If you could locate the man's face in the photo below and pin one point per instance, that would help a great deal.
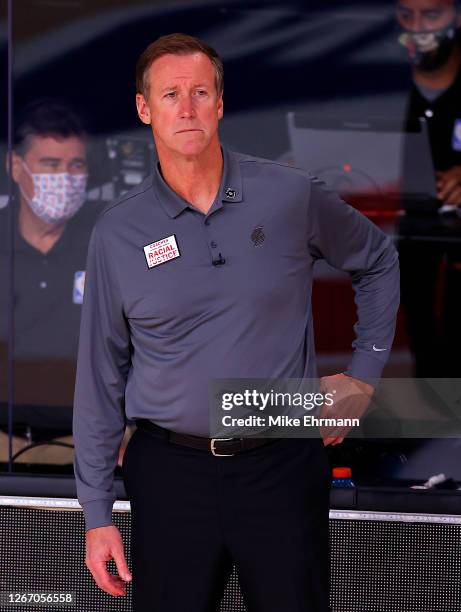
(425, 15)
(183, 107)
(46, 154)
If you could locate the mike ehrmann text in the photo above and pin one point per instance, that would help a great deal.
(309, 420)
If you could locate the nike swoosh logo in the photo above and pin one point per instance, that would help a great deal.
(378, 349)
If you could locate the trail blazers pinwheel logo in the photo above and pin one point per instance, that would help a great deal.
(258, 236)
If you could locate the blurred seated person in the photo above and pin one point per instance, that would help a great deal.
(431, 35)
(52, 226)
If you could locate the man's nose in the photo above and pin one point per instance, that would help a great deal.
(186, 108)
(417, 24)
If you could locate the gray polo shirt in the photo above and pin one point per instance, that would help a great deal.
(175, 298)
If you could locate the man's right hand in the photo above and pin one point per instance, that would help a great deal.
(102, 545)
(449, 186)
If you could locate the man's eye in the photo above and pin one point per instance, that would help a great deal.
(433, 15)
(78, 166)
(404, 13)
(201, 92)
(170, 94)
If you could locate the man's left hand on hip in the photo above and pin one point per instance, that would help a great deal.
(351, 399)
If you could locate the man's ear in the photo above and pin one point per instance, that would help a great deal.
(220, 106)
(143, 109)
(16, 166)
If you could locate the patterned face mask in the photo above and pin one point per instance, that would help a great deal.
(430, 49)
(57, 196)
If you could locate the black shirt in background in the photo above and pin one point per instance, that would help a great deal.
(442, 115)
(47, 309)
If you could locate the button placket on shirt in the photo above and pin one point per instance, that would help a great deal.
(212, 243)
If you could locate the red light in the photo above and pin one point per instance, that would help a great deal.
(347, 168)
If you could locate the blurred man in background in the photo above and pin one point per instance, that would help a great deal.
(431, 36)
(52, 225)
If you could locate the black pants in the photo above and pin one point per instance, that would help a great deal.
(434, 343)
(194, 515)
(419, 272)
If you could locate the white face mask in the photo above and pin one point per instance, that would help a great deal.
(57, 197)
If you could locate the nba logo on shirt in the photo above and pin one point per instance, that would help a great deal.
(456, 138)
(79, 287)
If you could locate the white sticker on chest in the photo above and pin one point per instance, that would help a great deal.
(161, 251)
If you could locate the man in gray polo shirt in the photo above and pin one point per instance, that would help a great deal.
(204, 271)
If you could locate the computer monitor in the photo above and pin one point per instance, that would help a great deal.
(371, 158)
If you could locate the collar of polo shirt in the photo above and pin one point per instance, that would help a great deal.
(230, 189)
